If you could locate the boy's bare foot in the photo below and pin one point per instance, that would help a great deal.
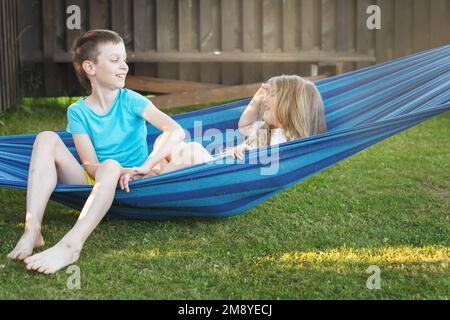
(51, 260)
(26, 244)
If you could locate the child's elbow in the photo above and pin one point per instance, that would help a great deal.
(179, 134)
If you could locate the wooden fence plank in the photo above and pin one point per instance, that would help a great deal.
(8, 39)
(99, 14)
(61, 44)
(158, 85)
(9, 64)
(385, 36)
(252, 39)
(166, 40)
(212, 95)
(290, 35)
(14, 67)
(403, 27)
(144, 34)
(307, 18)
(421, 25)
(328, 29)
(30, 28)
(17, 49)
(3, 106)
(346, 29)
(364, 36)
(440, 18)
(188, 37)
(205, 96)
(231, 31)
(122, 20)
(5, 66)
(272, 39)
(72, 85)
(30, 44)
(4, 63)
(447, 40)
(210, 39)
(51, 81)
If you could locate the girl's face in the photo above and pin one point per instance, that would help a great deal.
(111, 68)
(269, 105)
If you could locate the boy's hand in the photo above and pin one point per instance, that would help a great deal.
(124, 179)
(132, 174)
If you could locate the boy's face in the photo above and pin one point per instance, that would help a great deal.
(111, 67)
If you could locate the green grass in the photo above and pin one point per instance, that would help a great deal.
(388, 206)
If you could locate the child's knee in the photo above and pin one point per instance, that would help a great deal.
(196, 153)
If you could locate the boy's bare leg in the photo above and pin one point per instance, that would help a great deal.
(50, 159)
(67, 250)
(160, 167)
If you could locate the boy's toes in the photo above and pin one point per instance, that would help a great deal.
(34, 265)
(49, 271)
(12, 255)
(42, 269)
(23, 255)
(28, 260)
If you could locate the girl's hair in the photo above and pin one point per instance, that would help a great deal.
(86, 46)
(298, 108)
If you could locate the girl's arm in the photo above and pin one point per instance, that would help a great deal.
(250, 114)
(171, 136)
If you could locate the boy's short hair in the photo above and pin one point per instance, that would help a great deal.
(85, 47)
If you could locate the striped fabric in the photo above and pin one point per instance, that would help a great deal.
(362, 108)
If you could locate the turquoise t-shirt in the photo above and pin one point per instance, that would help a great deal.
(120, 134)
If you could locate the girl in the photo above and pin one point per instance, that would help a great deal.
(290, 107)
(109, 132)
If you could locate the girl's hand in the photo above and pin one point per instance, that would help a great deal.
(141, 170)
(261, 93)
(238, 151)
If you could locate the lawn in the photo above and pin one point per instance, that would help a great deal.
(386, 206)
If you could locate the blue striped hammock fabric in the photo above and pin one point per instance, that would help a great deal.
(361, 108)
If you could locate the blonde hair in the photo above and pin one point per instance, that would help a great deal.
(298, 108)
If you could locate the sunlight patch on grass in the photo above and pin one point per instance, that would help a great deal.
(152, 253)
(399, 256)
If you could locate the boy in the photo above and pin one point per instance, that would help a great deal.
(109, 131)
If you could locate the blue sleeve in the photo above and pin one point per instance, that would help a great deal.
(74, 123)
(137, 103)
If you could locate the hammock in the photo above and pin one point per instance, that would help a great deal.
(362, 107)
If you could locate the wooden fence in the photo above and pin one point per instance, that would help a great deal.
(9, 55)
(226, 41)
